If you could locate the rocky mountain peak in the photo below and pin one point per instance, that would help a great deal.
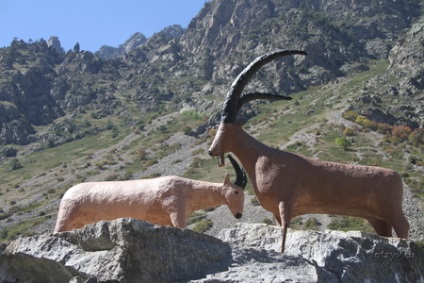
(55, 43)
(133, 42)
(108, 52)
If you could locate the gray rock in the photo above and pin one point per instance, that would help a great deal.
(108, 52)
(124, 250)
(128, 250)
(55, 43)
(331, 256)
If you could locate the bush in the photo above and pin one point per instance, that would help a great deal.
(416, 137)
(192, 115)
(196, 217)
(384, 129)
(4, 233)
(115, 132)
(343, 142)
(162, 129)
(346, 223)
(203, 226)
(141, 153)
(112, 177)
(311, 223)
(401, 132)
(197, 162)
(350, 115)
(187, 130)
(150, 162)
(268, 221)
(364, 121)
(349, 132)
(15, 164)
(254, 201)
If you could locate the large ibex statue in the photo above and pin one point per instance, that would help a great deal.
(289, 185)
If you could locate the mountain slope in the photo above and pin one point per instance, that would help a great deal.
(72, 117)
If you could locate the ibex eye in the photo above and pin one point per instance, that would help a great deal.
(236, 192)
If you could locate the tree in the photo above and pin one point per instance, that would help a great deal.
(77, 47)
(15, 164)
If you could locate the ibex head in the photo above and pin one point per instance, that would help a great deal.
(236, 98)
(234, 194)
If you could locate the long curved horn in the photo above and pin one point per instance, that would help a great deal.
(232, 101)
(241, 180)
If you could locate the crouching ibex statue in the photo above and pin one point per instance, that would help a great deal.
(165, 200)
(289, 185)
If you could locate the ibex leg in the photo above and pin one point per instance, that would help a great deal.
(401, 226)
(285, 215)
(380, 226)
(178, 219)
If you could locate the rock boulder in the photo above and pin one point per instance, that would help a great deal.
(128, 250)
(124, 250)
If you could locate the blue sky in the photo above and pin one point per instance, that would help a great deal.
(91, 23)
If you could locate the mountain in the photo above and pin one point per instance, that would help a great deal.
(148, 107)
(224, 35)
(108, 52)
(135, 41)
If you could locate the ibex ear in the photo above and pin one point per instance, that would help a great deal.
(227, 179)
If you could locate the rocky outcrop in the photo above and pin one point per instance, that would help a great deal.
(183, 65)
(124, 250)
(128, 250)
(396, 97)
(331, 256)
(55, 43)
(108, 52)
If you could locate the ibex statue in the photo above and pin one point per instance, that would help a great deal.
(165, 200)
(289, 185)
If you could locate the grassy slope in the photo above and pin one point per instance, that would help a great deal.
(309, 125)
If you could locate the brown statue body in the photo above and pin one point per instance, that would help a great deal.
(289, 185)
(165, 200)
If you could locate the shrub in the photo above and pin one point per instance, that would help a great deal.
(416, 137)
(196, 217)
(4, 233)
(212, 133)
(364, 121)
(384, 129)
(112, 177)
(115, 132)
(349, 132)
(154, 175)
(401, 132)
(203, 226)
(141, 153)
(162, 129)
(268, 221)
(350, 115)
(343, 142)
(187, 130)
(346, 223)
(192, 115)
(110, 125)
(254, 201)
(311, 223)
(15, 164)
(197, 162)
(150, 162)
